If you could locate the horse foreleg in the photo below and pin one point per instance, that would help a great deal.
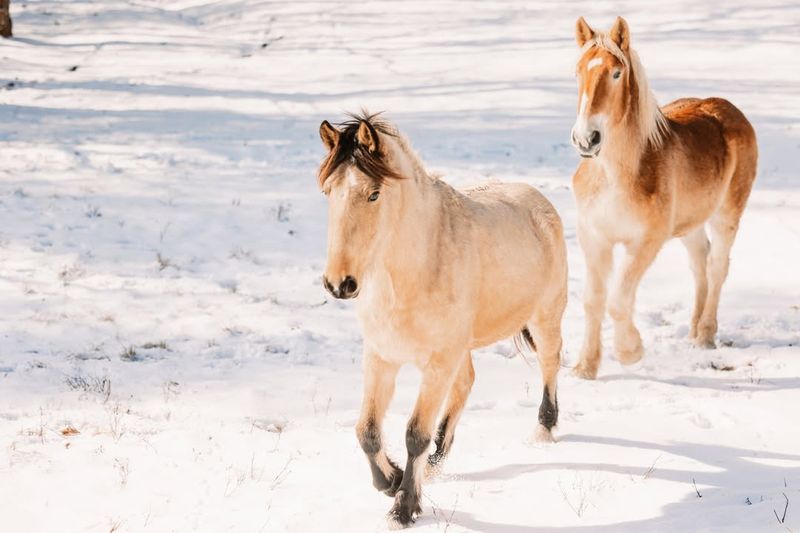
(638, 257)
(599, 259)
(436, 379)
(379, 379)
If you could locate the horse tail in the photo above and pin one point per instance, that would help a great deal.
(523, 342)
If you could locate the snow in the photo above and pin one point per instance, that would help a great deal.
(162, 240)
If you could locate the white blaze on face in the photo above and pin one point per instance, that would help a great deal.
(585, 123)
(352, 180)
(581, 128)
(584, 103)
(594, 63)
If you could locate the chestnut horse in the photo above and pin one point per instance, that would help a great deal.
(437, 273)
(651, 174)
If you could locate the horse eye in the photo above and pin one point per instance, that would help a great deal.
(617, 74)
(373, 196)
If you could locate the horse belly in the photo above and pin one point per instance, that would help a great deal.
(510, 283)
(497, 322)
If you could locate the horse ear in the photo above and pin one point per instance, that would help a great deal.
(620, 34)
(367, 136)
(583, 32)
(329, 135)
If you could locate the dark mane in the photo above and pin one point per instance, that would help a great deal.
(349, 150)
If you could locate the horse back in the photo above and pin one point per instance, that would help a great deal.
(711, 116)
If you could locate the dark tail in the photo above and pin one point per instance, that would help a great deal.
(523, 341)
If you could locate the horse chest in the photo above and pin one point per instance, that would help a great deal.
(612, 214)
(397, 335)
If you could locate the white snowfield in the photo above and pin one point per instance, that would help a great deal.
(171, 362)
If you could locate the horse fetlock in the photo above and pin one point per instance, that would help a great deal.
(707, 326)
(619, 311)
(369, 437)
(589, 361)
(706, 331)
(386, 476)
(548, 410)
(585, 370)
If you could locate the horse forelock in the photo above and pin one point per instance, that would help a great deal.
(349, 151)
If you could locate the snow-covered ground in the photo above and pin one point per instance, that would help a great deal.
(170, 362)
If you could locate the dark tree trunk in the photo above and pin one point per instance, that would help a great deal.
(5, 18)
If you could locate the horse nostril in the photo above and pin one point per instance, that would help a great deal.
(594, 138)
(347, 287)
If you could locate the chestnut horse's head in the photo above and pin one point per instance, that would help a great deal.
(354, 177)
(612, 90)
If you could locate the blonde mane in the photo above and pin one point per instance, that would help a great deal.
(654, 126)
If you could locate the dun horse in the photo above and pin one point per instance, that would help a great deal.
(437, 273)
(649, 175)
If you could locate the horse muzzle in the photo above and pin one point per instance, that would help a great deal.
(346, 289)
(588, 146)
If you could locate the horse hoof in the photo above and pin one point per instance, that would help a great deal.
(706, 344)
(542, 435)
(630, 357)
(584, 372)
(403, 513)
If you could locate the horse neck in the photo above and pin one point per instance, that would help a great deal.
(642, 126)
(629, 140)
(621, 158)
(414, 228)
(405, 251)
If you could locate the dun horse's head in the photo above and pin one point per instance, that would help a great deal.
(354, 177)
(604, 79)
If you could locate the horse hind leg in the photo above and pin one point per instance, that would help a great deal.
(697, 245)
(724, 224)
(457, 398)
(546, 337)
(723, 232)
